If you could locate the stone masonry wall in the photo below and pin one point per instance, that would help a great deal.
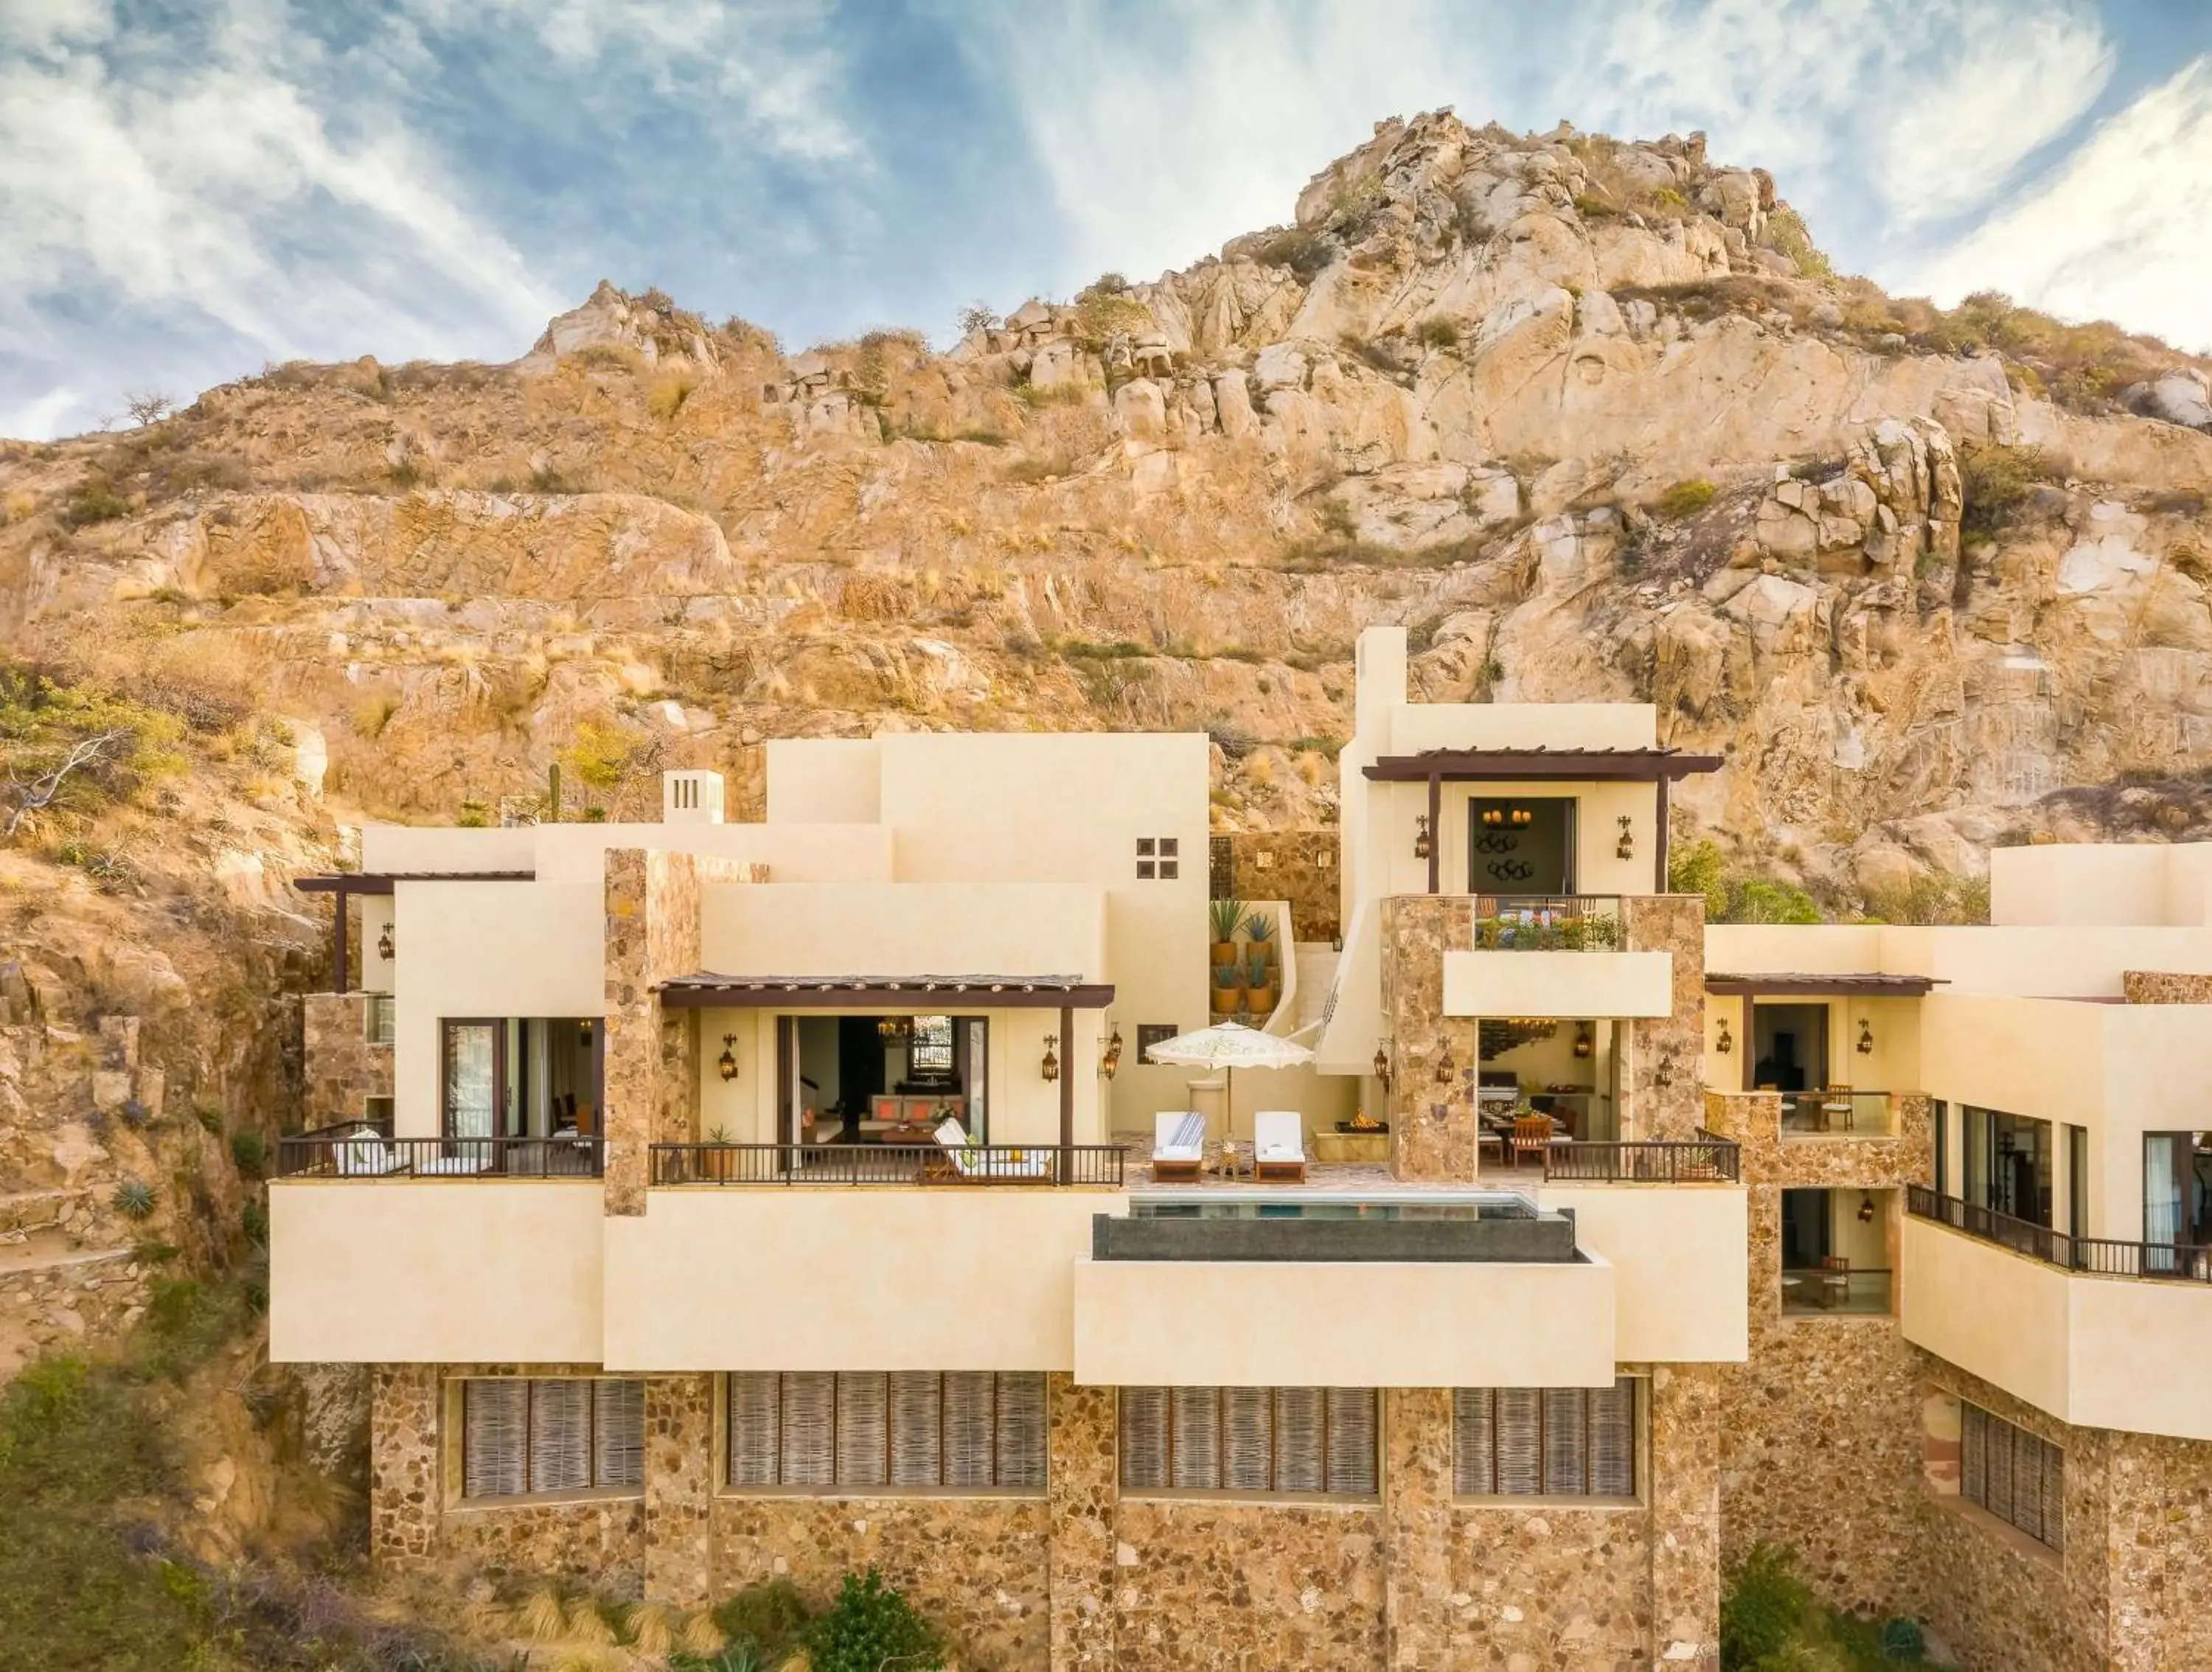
(2155, 986)
(1821, 1436)
(1081, 1490)
(341, 1070)
(1432, 1126)
(1661, 1076)
(1297, 866)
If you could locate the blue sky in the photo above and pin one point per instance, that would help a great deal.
(189, 188)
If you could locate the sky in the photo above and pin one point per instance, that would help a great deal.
(191, 189)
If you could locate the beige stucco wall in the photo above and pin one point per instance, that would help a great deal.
(1677, 1253)
(944, 1277)
(1558, 985)
(1894, 1064)
(1392, 809)
(2100, 883)
(576, 852)
(2097, 1352)
(438, 1271)
(905, 929)
(2061, 960)
(485, 950)
(814, 780)
(1354, 1324)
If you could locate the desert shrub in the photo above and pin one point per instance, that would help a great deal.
(1996, 483)
(665, 398)
(978, 316)
(253, 1220)
(1932, 898)
(250, 1151)
(870, 1626)
(1437, 334)
(1764, 1610)
(133, 1199)
(66, 745)
(1101, 314)
(1592, 207)
(1301, 249)
(1670, 204)
(93, 500)
(603, 756)
(1736, 896)
(1787, 234)
(1685, 498)
(768, 1619)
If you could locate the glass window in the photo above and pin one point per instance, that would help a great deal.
(525, 1437)
(1942, 1116)
(1320, 1441)
(1545, 1442)
(931, 1048)
(2077, 1181)
(380, 1020)
(872, 1431)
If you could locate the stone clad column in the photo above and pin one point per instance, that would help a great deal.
(1417, 1510)
(1081, 1494)
(1664, 1073)
(403, 1465)
(679, 1489)
(1686, 1517)
(652, 1055)
(1433, 1130)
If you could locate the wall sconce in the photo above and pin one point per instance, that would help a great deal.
(1492, 816)
(1521, 816)
(1866, 1208)
(1625, 848)
(1585, 1042)
(1866, 1038)
(1112, 1061)
(1424, 843)
(1447, 1070)
(1382, 1066)
(384, 946)
(893, 1029)
(1724, 1042)
(726, 1064)
(1050, 1066)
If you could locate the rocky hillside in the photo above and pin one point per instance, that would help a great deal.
(1593, 419)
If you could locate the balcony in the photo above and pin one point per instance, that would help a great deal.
(1097, 1165)
(2035, 1311)
(359, 1151)
(1555, 958)
(1838, 1111)
(1822, 1292)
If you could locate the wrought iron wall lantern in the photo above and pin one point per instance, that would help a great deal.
(1585, 1038)
(1050, 1067)
(1111, 1061)
(1625, 848)
(1866, 1038)
(1723, 1040)
(1424, 843)
(384, 944)
(1866, 1208)
(726, 1064)
(1447, 1070)
(1382, 1065)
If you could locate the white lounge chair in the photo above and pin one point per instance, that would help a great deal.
(366, 1155)
(980, 1166)
(1178, 1144)
(1279, 1145)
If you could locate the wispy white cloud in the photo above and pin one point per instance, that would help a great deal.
(2123, 230)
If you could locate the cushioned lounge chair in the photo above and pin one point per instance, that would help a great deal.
(1178, 1145)
(1279, 1145)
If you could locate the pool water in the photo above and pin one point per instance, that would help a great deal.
(1262, 1207)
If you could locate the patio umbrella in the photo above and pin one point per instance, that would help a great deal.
(1230, 1046)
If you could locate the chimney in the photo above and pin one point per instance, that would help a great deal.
(691, 798)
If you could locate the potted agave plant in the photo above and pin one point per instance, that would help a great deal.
(1228, 990)
(1260, 984)
(1227, 917)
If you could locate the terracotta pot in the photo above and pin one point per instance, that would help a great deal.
(1225, 954)
(1262, 1000)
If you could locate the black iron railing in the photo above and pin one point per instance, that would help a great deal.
(1547, 922)
(888, 1164)
(2102, 1256)
(1707, 1158)
(362, 1152)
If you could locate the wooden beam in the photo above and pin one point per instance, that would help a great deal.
(904, 999)
(1436, 829)
(1066, 1093)
(1541, 765)
(1659, 847)
(338, 938)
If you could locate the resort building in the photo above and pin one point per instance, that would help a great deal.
(718, 1202)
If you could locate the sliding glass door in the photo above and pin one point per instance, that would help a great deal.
(474, 1074)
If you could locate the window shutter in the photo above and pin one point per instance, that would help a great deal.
(915, 1434)
(755, 1426)
(1143, 1438)
(1613, 1439)
(1520, 1464)
(1472, 1439)
(863, 1428)
(809, 1423)
(1299, 1465)
(2028, 1486)
(968, 1428)
(1973, 1454)
(1352, 1440)
(1565, 1460)
(495, 1420)
(1021, 1429)
(1247, 1439)
(2000, 1444)
(618, 1437)
(2054, 1498)
(1197, 1457)
(560, 1434)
